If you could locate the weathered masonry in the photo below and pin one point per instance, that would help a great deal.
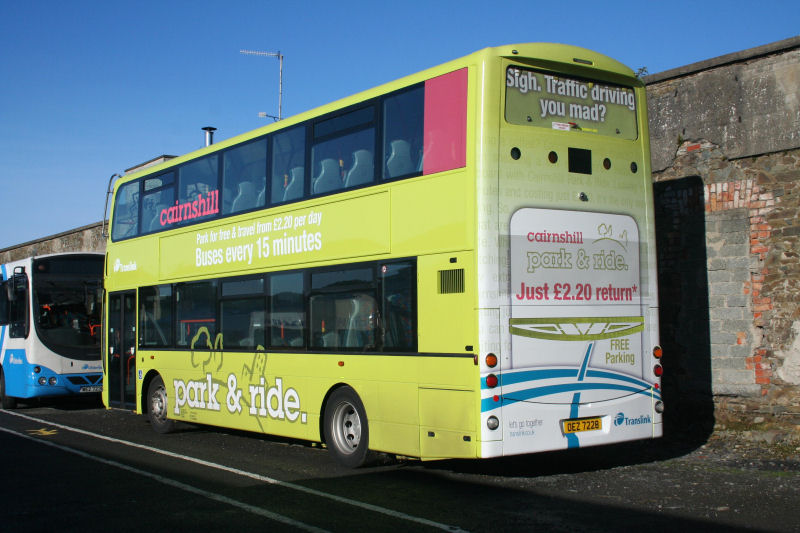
(726, 165)
(85, 239)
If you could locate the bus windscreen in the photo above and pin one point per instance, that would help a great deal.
(548, 100)
(68, 295)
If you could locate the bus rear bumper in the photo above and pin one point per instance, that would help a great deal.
(527, 427)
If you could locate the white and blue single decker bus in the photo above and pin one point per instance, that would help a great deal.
(50, 333)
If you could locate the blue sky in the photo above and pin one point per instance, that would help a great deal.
(91, 88)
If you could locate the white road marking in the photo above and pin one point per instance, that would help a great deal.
(260, 511)
(251, 475)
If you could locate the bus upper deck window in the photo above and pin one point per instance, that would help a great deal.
(342, 154)
(287, 169)
(403, 122)
(126, 212)
(244, 178)
(158, 197)
(198, 182)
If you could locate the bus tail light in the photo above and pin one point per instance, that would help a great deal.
(492, 423)
(491, 360)
(658, 370)
(657, 352)
(491, 381)
(659, 407)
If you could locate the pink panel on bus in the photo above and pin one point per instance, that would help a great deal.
(445, 122)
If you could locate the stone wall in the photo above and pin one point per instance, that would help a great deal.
(84, 239)
(726, 163)
(746, 103)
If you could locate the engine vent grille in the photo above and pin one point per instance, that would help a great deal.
(451, 281)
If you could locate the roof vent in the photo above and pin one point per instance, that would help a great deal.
(209, 134)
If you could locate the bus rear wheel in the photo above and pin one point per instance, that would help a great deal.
(346, 428)
(6, 402)
(158, 406)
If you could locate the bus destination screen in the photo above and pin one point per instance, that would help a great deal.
(549, 100)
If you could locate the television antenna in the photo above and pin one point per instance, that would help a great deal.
(279, 57)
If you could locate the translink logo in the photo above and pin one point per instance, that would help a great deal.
(127, 267)
(622, 420)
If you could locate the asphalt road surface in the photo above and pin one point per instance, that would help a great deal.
(78, 467)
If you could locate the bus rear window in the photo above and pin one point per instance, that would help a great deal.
(548, 100)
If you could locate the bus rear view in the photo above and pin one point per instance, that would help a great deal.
(575, 302)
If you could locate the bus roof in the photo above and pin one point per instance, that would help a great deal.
(551, 56)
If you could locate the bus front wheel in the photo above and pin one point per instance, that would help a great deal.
(346, 428)
(6, 402)
(158, 405)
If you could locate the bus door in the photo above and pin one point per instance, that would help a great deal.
(121, 353)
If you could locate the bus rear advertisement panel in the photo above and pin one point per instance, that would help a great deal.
(573, 368)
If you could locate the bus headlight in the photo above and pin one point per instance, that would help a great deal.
(42, 380)
(492, 423)
(53, 380)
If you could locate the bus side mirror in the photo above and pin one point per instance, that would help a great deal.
(4, 303)
(17, 293)
(16, 285)
(8, 290)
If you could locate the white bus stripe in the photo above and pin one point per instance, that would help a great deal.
(252, 475)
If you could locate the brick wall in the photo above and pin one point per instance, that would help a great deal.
(725, 135)
(749, 212)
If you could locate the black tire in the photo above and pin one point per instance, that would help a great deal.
(346, 428)
(6, 402)
(158, 406)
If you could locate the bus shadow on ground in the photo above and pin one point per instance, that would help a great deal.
(477, 504)
(573, 461)
(684, 309)
(62, 403)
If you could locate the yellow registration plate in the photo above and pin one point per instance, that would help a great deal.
(583, 424)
